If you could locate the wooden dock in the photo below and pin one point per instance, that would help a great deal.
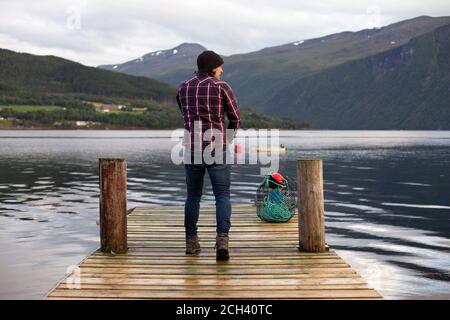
(265, 263)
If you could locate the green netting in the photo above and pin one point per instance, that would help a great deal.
(275, 205)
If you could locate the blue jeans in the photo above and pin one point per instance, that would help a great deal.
(220, 175)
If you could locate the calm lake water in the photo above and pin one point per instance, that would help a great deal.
(387, 200)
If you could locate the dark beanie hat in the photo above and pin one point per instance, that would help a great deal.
(208, 60)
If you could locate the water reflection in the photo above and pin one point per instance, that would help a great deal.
(387, 200)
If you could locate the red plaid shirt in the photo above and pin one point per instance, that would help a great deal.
(204, 100)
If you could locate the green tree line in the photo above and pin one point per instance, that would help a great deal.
(156, 117)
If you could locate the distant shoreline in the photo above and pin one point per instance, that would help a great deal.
(168, 129)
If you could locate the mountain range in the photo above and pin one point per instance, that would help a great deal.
(51, 92)
(31, 77)
(394, 77)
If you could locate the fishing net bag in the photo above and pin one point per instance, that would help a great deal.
(276, 198)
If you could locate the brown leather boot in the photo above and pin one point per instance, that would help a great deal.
(222, 253)
(192, 245)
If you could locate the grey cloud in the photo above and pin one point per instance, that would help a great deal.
(116, 31)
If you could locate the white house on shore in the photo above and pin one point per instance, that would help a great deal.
(85, 123)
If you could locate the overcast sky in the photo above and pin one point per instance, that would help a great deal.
(97, 32)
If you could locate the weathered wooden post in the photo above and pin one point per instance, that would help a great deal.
(311, 224)
(113, 205)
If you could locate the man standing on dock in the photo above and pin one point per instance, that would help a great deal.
(203, 101)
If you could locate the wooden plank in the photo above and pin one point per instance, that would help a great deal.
(207, 266)
(84, 274)
(163, 244)
(209, 237)
(268, 232)
(222, 281)
(239, 250)
(201, 294)
(235, 208)
(209, 257)
(158, 261)
(96, 298)
(211, 217)
(218, 270)
(226, 287)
